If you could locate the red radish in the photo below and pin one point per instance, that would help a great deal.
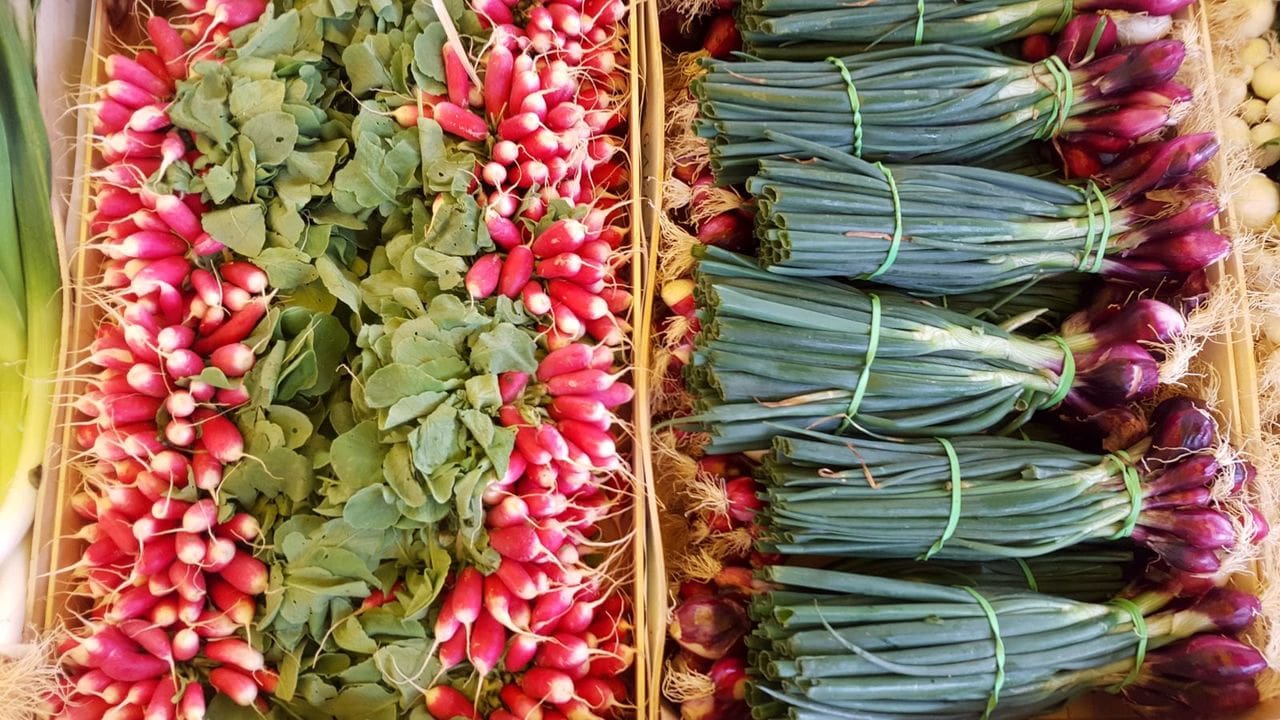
(528, 445)
(219, 436)
(517, 579)
(234, 651)
(585, 305)
(547, 685)
(218, 554)
(162, 704)
(518, 543)
(236, 685)
(149, 637)
(535, 300)
(206, 469)
(131, 603)
(447, 703)
(235, 329)
(564, 651)
(457, 81)
(467, 596)
(190, 548)
(516, 271)
(497, 79)
(246, 574)
(579, 407)
(459, 121)
(150, 118)
(488, 638)
(237, 604)
(482, 278)
(520, 652)
(613, 396)
(511, 384)
(169, 45)
(233, 360)
(520, 703)
(454, 650)
(511, 511)
(191, 706)
(241, 526)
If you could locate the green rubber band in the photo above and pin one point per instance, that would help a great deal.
(1063, 98)
(1068, 10)
(1090, 230)
(997, 684)
(1140, 652)
(1133, 486)
(895, 242)
(854, 103)
(1105, 209)
(1032, 585)
(1067, 376)
(873, 343)
(954, 518)
(920, 21)
(1096, 38)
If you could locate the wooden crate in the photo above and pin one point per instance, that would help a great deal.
(1230, 356)
(50, 598)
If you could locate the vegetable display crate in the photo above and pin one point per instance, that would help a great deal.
(52, 604)
(1228, 353)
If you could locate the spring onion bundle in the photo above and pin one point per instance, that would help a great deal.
(977, 498)
(812, 28)
(932, 103)
(840, 645)
(951, 229)
(799, 353)
(1087, 574)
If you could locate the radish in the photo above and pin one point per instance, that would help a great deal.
(162, 704)
(488, 638)
(236, 685)
(234, 651)
(447, 703)
(547, 685)
(246, 574)
(483, 277)
(191, 706)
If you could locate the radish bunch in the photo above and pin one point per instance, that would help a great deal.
(550, 619)
(170, 577)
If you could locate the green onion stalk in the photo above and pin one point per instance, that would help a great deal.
(834, 645)
(979, 498)
(780, 353)
(928, 104)
(951, 229)
(1084, 573)
(800, 29)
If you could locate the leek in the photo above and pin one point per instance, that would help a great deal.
(30, 271)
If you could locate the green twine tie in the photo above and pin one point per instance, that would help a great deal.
(1032, 585)
(873, 343)
(1140, 652)
(1093, 192)
(854, 103)
(895, 241)
(1067, 376)
(1063, 98)
(997, 683)
(954, 518)
(1068, 10)
(1134, 487)
(920, 21)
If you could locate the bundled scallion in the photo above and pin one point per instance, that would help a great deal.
(978, 498)
(1087, 574)
(952, 229)
(797, 29)
(932, 103)
(777, 353)
(840, 645)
